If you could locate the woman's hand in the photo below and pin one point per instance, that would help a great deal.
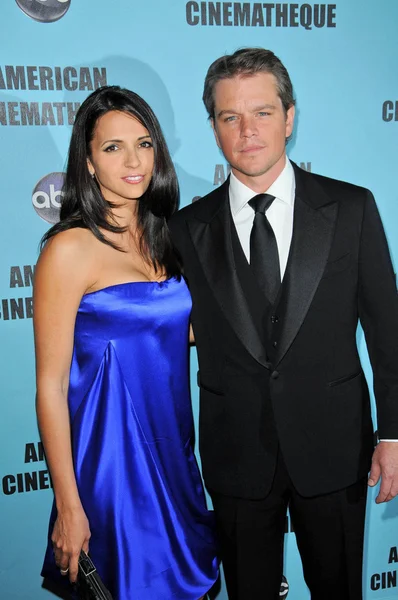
(70, 535)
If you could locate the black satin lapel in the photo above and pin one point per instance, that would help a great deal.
(214, 248)
(312, 237)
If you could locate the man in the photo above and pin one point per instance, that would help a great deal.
(281, 263)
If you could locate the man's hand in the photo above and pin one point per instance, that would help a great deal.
(385, 464)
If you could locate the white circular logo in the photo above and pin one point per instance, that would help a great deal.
(284, 588)
(47, 197)
(45, 11)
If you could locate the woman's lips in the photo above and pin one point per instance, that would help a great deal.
(133, 179)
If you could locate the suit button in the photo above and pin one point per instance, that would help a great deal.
(274, 375)
(274, 344)
(274, 319)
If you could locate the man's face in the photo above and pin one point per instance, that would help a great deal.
(251, 127)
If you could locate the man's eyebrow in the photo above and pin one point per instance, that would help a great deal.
(269, 106)
(227, 111)
(231, 111)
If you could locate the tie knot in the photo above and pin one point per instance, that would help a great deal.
(261, 202)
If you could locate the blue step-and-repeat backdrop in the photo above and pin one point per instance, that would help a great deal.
(343, 60)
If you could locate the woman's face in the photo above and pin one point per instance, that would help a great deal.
(122, 157)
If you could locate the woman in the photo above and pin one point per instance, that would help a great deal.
(111, 318)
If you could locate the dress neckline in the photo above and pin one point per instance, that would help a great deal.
(116, 285)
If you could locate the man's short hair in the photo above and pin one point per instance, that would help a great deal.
(246, 62)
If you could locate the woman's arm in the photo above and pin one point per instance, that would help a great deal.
(61, 278)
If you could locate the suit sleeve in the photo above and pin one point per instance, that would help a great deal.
(175, 227)
(378, 313)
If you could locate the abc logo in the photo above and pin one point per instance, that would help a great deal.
(284, 588)
(47, 197)
(45, 11)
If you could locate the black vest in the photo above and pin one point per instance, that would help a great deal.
(263, 312)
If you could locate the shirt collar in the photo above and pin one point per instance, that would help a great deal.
(282, 188)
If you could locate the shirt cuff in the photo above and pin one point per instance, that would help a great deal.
(388, 440)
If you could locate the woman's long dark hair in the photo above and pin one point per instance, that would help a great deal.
(83, 204)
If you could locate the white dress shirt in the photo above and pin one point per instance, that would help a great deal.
(280, 214)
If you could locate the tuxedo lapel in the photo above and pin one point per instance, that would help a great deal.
(314, 222)
(211, 235)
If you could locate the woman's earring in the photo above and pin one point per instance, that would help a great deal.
(92, 175)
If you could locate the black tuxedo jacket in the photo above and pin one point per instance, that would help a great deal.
(289, 376)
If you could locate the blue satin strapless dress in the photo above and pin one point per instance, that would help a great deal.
(132, 436)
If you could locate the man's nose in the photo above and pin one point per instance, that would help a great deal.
(248, 126)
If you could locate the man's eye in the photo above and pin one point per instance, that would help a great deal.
(229, 119)
(263, 113)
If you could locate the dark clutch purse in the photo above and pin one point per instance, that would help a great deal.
(89, 585)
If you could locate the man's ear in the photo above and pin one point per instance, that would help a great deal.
(291, 111)
(214, 128)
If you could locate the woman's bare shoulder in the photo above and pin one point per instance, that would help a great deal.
(71, 240)
(70, 254)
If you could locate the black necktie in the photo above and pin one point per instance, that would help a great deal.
(264, 258)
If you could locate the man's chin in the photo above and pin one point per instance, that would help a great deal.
(257, 170)
(253, 172)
